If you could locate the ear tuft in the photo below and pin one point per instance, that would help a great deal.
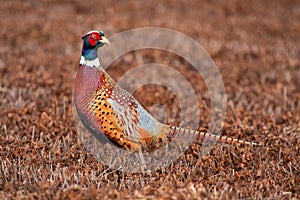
(82, 37)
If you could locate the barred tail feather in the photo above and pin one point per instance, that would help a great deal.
(200, 136)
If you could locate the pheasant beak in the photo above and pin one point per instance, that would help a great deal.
(104, 40)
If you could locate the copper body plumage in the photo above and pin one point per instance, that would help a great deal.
(110, 113)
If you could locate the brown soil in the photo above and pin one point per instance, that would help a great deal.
(256, 47)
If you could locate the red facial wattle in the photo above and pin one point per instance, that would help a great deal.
(93, 38)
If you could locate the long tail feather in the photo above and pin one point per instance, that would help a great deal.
(200, 136)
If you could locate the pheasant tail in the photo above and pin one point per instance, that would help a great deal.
(178, 133)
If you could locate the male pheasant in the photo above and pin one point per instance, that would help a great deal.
(110, 113)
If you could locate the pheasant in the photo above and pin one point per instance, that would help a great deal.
(113, 115)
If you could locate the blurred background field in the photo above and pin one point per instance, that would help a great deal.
(255, 46)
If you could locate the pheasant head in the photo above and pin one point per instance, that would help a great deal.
(91, 42)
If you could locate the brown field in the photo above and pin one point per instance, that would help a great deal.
(255, 46)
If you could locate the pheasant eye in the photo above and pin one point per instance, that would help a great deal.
(93, 36)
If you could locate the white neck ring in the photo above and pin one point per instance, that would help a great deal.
(90, 63)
